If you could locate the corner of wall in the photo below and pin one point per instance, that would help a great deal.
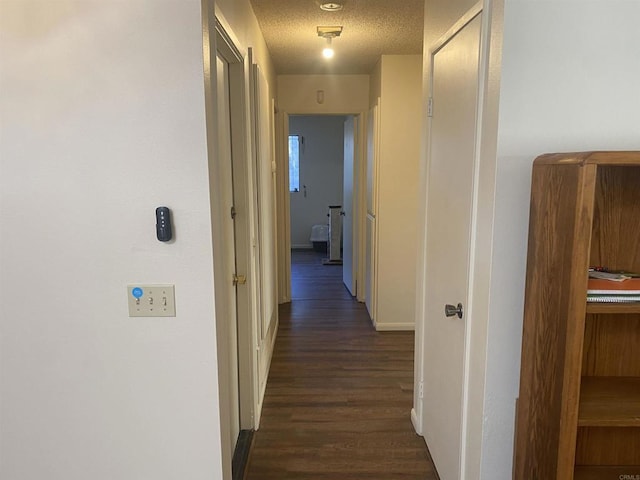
(375, 83)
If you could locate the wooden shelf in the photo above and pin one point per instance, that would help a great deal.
(613, 307)
(584, 211)
(609, 402)
(604, 473)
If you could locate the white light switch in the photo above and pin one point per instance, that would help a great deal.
(151, 300)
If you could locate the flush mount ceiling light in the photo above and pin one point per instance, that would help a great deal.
(331, 6)
(329, 33)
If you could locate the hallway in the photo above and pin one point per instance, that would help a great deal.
(339, 393)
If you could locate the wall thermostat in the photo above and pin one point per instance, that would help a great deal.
(163, 224)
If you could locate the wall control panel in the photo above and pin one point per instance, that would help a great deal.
(151, 300)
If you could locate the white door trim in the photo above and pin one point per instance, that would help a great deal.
(221, 41)
(360, 206)
(283, 213)
(284, 204)
(247, 360)
(370, 184)
(349, 224)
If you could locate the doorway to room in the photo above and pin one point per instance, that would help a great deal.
(321, 166)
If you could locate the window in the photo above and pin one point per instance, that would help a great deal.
(294, 163)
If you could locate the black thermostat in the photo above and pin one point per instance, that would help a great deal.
(163, 224)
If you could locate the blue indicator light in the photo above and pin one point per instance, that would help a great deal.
(137, 292)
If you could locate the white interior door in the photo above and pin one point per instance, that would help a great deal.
(225, 257)
(347, 205)
(449, 219)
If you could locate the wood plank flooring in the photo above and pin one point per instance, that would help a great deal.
(339, 394)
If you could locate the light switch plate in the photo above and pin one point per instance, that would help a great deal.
(151, 300)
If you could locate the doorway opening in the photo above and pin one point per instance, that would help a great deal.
(321, 194)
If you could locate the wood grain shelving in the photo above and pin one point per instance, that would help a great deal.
(605, 473)
(609, 402)
(579, 401)
(613, 308)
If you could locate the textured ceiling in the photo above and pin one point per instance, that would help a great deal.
(371, 28)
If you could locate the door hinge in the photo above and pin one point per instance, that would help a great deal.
(239, 280)
(233, 212)
(421, 390)
(430, 107)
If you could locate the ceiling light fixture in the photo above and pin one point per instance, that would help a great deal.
(331, 6)
(329, 33)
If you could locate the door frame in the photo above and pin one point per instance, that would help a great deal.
(242, 186)
(370, 173)
(354, 219)
(481, 239)
(217, 38)
(284, 204)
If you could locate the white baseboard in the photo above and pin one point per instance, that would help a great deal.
(391, 327)
(262, 388)
(416, 423)
(305, 246)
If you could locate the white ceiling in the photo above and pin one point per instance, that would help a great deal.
(371, 28)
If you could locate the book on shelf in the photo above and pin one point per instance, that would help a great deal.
(615, 275)
(598, 286)
(604, 290)
(613, 298)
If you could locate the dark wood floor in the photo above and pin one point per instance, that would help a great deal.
(339, 394)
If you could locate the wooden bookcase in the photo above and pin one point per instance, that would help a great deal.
(579, 405)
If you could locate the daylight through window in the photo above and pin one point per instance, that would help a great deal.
(294, 163)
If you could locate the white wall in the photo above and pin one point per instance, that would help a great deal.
(397, 191)
(297, 94)
(343, 94)
(102, 114)
(109, 129)
(375, 83)
(238, 17)
(321, 170)
(570, 75)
